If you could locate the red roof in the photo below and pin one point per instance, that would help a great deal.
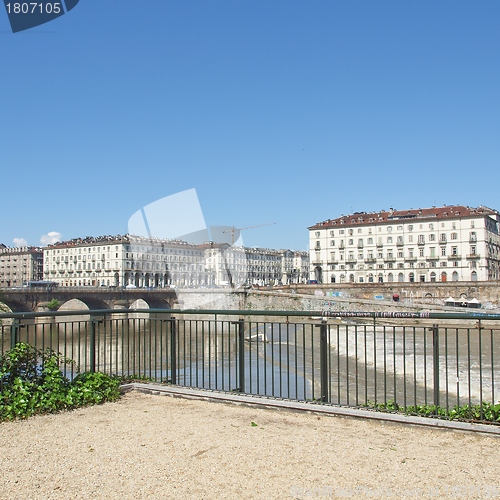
(433, 213)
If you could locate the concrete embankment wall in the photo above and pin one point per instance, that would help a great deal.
(315, 300)
(484, 292)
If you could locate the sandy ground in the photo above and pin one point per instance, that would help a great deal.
(147, 446)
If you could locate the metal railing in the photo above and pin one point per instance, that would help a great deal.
(394, 360)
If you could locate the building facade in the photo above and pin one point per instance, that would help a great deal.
(450, 243)
(18, 265)
(142, 262)
(124, 260)
(234, 265)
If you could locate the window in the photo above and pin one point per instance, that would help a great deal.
(421, 238)
(389, 239)
(410, 227)
(432, 237)
(443, 250)
(331, 233)
(400, 228)
(389, 229)
(454, 250)
(431, 226)
(351, 242)
(410, 238)
(454, 236)
(370, 241)
(421, 252)
(400, 255)
(332, 243)
(317, 234)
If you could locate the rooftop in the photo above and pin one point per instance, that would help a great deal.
(444, 212)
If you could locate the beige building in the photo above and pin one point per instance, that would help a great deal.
(124, 261)
(148, 262)
(19, 265)
(450, 243)
(229, 265)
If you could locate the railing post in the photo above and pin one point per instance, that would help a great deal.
(241, 354)
(435, 357)
(173, 352)
(323, 360)
(14, 333)
(93, 326)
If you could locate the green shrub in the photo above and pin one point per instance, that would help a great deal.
(488, 412)
(31, 382)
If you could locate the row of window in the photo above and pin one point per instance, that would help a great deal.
(370, 278)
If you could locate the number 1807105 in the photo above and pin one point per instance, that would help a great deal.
(33, 8)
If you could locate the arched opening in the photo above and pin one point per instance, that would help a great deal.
(473, 276)
(370, 278)
(318, 274)
(454, 276)
(351, 278)
(411, 278)
(444, 277)
(433, 277)
(390, 277)
(401, 277)
(380, 278)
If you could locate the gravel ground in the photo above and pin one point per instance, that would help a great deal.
(145, 446)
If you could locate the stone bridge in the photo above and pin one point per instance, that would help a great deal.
(26, 300)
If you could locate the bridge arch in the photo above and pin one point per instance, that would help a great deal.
(151, 303)
(14, 306)
(91, 303)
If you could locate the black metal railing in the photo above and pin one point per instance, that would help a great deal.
(431, 363)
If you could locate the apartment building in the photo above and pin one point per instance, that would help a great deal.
(233, 265)
(149, 262)
(124, 260)
(18, 265)
(449, 243)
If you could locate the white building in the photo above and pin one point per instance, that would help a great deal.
(124, 260)
(450, 243)
(144, 262)
(230, 265)
(18, 265)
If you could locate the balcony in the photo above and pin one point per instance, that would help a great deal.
(400, 244)
(390, 259)
(351, 261)
(473, 239)
(432, 258)
(420, 242)
(410, 259)
(454, 257)
(473, 256)
(370, 260)
(380, 245)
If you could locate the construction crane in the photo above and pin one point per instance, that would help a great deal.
(234, 229)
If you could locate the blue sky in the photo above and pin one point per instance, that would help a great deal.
(280, 111)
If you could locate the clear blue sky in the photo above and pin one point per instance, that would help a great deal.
(281, 111)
